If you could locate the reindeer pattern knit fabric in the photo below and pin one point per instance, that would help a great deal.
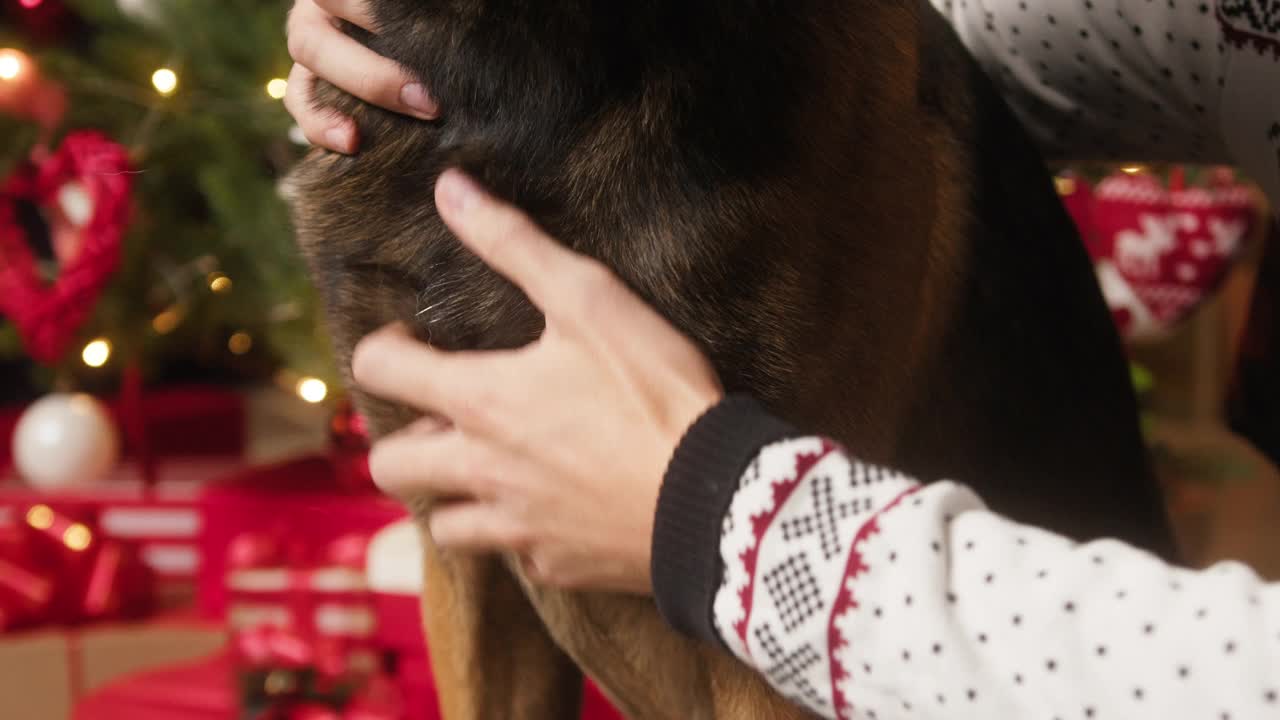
(858, 592)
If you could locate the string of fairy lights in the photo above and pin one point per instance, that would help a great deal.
(15, 66)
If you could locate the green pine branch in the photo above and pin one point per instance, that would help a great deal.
(209, 158)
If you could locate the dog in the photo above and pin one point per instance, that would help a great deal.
(830, 198)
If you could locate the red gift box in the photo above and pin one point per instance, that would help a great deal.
(285, 550)
(47, 670)
(310, 502)
(285, 600)
(395, 578)
(305, 500)
(164, 521)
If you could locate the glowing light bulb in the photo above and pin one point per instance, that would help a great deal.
(1131, 169)
(219, 283)
(165, 80)
(96, 353)
(313, 390)
(240, 343)
(166, 322)
(40, 517)
(279, 682)
(277, 88)
(77, 537)
(30, 4)
(12, 64)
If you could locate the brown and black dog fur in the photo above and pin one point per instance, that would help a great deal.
(828, 196)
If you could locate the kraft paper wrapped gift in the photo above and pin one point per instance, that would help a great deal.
(44, 672)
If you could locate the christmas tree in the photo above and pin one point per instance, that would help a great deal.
(209, 283)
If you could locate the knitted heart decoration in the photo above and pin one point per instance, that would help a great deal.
(84, 189)
(1160, 252)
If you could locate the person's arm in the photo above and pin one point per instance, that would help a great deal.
(858, 592)
(1108, 80)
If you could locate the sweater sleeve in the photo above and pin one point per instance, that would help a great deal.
(1136, 80)
(859, 593)
(1107, 79)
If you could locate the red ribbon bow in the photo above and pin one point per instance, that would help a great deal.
(58, 568)
(283, 585)
(279, 589)
(268, 647)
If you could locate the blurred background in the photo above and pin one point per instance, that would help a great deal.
(187, 526)
(208, 285)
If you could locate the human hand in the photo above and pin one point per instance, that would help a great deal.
(320, 49)
(556, 450)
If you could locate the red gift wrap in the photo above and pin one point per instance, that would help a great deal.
(305, 501)
(323, 599)
(59, 568)
(283, 555)
(303, 625)
(163, 521)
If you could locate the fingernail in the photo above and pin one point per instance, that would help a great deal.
(458, 192)
(415, 97)
(339, 138)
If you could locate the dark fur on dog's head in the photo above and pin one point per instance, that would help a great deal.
(654, 136)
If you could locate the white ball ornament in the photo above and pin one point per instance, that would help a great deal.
(393, 565)
(64, 440)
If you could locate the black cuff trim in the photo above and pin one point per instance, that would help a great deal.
(701, 481)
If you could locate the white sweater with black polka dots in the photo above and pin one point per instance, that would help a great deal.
(1137, 80)
(860, 593)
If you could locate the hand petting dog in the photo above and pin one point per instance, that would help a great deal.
(556, 450)
(321, 49)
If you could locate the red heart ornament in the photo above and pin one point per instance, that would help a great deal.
(84, 187)
(1160, 252)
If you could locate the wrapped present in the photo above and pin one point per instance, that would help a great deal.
(163, 520)
(59, 568)
(304, 502)
(197, 689)
(294, 590)
(36, 681)
(282, 673)
(324, 596)
(303, 627)
(320, 579)
(48, 671)
(395, 578)
(274, 671)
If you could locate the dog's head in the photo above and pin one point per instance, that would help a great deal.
(641, 134)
